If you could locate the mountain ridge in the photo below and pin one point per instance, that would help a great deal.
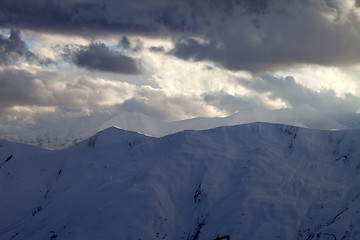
(251, 181)
(68, 132)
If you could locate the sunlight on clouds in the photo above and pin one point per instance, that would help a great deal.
(174, 75)
(86, 91)
(50, 53)
(51, 45)
(348, 6)
(354, 73)
(320, 78)
(26, 114)
(33, 109)
(277, 103)
(343, 13)
(52, 39)
(168, 88)
(169, 75)
(194, 79)
(165, 79)
(31, 68)
(114, 92)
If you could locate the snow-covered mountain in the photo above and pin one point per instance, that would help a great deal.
(68, 132)
(253, 181)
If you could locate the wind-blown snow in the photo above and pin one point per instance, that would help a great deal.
(253, 181)
(68, 132)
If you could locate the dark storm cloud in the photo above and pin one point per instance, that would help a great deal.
(266, 47)
(258, 35)
(91, 16)
(97, 56)
(294, 94)
(283, 35)
(51, 15)
(142, 16)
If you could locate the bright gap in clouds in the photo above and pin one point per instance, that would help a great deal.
(318, 78)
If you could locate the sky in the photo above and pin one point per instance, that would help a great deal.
(175, 59)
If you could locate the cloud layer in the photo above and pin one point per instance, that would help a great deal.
(283, 35)
(256, 35)
(176, 59)
(295, 95)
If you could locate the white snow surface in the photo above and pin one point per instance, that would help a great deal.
(252, 181)
(68, 132)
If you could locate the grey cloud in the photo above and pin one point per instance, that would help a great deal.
(22, 88)
(296, 95)
(50, 15)
(18, 87)
(23, 121)
(93, 17)
(230, 103)
(258, 35)
(285, 35)
(134, 46)
(97, 56)
(257, 6)
(15, 88)
(125, 43)
(13, 48)
(137, 104)
(286, 43)
(157, 104)
(159, 49)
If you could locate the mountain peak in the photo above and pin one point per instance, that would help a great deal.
(251, 181)
(68, 133)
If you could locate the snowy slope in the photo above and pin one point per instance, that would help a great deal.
(254, 181)
(66, 133)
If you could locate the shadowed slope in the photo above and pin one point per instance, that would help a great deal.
(254, 181)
